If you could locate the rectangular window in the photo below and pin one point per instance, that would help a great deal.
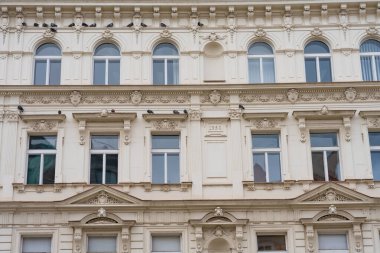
(266, 158)
(166, 244)
(332, 243)
(271, 243)
(41, 159)
(36, 245)
(101, 244)
(165, 159)
(374, 142)
(104, 159)
(325, 156)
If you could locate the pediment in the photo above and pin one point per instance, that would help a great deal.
(102, 195)
(332, 193)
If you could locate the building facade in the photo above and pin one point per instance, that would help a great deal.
(189, 126)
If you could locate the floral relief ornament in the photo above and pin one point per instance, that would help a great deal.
(260, 32)
(48, 34)
(43, 125)
(316, 32)
(372, 30)
(166, 33)
(107, 34)
(215, 97)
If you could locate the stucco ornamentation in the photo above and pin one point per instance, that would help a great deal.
(331, 196)
(43, 125)
(218, 211)
(317, 32)
(372, 30)
(265, 123)
(235, 113)
(165, 124)
(260, 33)
(195, 114)
(48, 34)
(350, 94)
(136, 97)
(102, 199)
(75, 97)
(292, 95)
(107, 34)
(166, 34)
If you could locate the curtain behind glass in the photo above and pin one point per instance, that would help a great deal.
(268, 70)
(366, 65)
(254, 70)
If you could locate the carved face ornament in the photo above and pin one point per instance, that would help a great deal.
(215, 97)
(75, 98)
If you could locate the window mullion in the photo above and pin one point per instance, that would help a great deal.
(266, 167)
(325, 165)
(106, 72)
(166, 168)
(47, 71)
(41, 169)
(373, 66)
(166, 70)
(104, 169)
(318, 69)
(261, 70)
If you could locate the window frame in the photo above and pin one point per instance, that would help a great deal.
(265, 151)
(166, 152)
(324, 150)
(41, 152)
(48, 59)
(115, 234)
(375, 149)
(104, 153)
(165, 58)
(35, 236)
(336, 232)
(261, 57)
(106, 59)
(272, 234)
(166, 235)
(375, 75)
(317, 57)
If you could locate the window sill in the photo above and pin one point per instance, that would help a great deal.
(268, 186)
(183, 186)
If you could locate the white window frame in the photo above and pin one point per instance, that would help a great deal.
(41, 152)
(105, 234)
(166, 152)
(375, 75)
(165, 58)
(106, 59)
(104, 152)
(346, 233)
(266, 151)
(32, 236)
(273, 234)
(372, 148)
(261, 57)
(165, 235)
(47, 59)
(317, 57)
(325, 149)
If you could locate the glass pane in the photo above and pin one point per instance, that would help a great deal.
(49, 169)
(316, 47)
(48, 49)
(260, 48)
(173, 71)
(165, 142)
(166, 244)
(107, 49)
(259, 173)
(366, 65)
(104, 142)
(254, 71)
(332, 242)
(268, 70)
(173, 169)
(377, 66)
(325, 69)
(114, 72)
(165, 49)
(55, 72)
(40, 72)
(333, 165)
(318, 166)
(158, 168)
(96, 169)
(323, 140)
(36, 244)
(370, 46)
(34, 162)
(158, 72)
(274, 167)
(311, 70)
(100, 72)
(111, 168)
(375, 158)
(42, 142)
(102, 244)
(374, 138)
(265, 141)
(271, 242)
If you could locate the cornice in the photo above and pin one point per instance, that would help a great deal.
(104, 116)
(34, 117)
(276, 115)
(321, 114)
(369, 114)
(164, 116)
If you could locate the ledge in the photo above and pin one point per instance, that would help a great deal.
(104, 116)
(275, 115)
(369, 114)
(324, 113)
(34, 117)
(164, 116)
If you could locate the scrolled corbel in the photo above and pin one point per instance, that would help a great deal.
(310, 239)
(199, 239)
(82, 129)
(125, 240)
(358, 237)
(127, 129)
(347, 128)
(302, 128)
(77, 240)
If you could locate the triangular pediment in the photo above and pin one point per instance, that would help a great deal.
(332, 193)
(102, 195)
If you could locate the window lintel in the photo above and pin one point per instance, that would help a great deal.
(34, 117)
(164, 116)
(275, 115)
(324, 114)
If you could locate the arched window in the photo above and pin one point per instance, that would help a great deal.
(317, 62)
(261, 63)
(165, 64)
(47, 65)
(107, 64)
(370, 60)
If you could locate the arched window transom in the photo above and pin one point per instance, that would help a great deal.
(261, 63)
(165, 64)
(107, 64)
(317, 62)
(370, 60)
(47, 65)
